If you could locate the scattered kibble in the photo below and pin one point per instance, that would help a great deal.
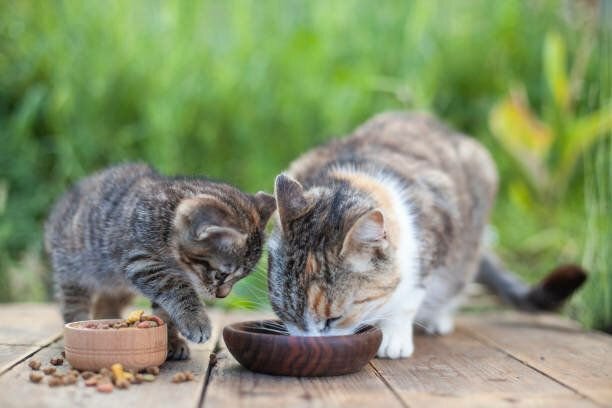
(36, 377)
(70, 379)
(57, 361)
(152, 370)
(92, 381)
(55, 382)
(49, 370)
(105, 387)
(63, 354)
(182, 376)
(106, 380)
(34, 364)
(121, 380)
(147, 377)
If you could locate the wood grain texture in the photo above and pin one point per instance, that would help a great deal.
(262, 350)
(580, 360)
(17, 391)
(29, 324)
(234, 386)
(458, 370)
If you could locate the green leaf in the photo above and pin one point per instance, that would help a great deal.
(555, 70)
(523, 136)
(583, 134)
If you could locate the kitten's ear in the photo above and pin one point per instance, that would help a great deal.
(367, 231)
(290, 198)
(266, 204)
(220, 236)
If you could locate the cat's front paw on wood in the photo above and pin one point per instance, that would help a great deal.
(195, 327)
(396, 343)
(177, 349)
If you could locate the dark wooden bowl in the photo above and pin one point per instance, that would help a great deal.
(260, 348)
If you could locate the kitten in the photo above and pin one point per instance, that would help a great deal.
(129, 230)
(385, 227)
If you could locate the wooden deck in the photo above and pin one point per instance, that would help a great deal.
(491, 360)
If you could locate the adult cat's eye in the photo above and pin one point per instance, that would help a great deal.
(331, 321)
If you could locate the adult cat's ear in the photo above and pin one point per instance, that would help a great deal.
(220, 236)
(290, 199)
(367, 231)
(266, 204)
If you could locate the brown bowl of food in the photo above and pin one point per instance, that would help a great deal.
(263, 346)
(134, 343)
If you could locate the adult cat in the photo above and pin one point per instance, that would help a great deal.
(386, 227)
(128, 229)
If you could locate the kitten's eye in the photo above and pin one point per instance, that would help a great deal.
(331, 321)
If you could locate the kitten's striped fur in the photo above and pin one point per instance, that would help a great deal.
(128, 229)
(381, 227)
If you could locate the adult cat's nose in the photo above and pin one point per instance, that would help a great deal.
(224, 290)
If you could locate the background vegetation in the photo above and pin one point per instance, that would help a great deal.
(237, 89)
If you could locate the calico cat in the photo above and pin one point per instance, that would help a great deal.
(129, 230)
(386, 227)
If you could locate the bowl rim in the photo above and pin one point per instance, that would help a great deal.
(367, 330)
(72, 326)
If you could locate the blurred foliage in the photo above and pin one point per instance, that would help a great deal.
(547, 149)
(237, 89)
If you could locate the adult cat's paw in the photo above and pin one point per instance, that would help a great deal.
(195, 327)
(396, 343)
(177, 349)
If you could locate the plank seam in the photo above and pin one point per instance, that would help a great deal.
(19, 360)
(388, 385)
(494, 345)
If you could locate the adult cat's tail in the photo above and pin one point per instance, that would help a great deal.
(549, 294)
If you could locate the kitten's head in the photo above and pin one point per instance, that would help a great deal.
(220, 237)
(330, 263)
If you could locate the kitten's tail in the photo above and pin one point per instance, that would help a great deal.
(548, 294)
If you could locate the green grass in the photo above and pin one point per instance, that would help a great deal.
(236, 90)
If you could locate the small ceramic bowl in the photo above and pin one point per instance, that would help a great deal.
(92, 349)
(260, 347)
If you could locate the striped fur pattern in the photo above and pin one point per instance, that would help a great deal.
(129, 230)
(381, 227)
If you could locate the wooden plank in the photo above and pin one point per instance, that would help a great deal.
(162, 392)
(29, 323)
(460, 371)
(231, 385)
(580, 360)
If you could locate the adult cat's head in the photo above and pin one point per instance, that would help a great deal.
(220, 236)
(331, 265)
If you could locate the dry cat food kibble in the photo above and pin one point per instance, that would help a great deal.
(36, 377)
(135, 319)
(105, 381)
(182, 376)
(34, 364)
(58, 361)
(49, 370)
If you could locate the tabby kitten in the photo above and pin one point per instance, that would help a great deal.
(129, 230)
(385, 227)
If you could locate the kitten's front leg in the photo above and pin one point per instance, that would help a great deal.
(173, 292)
(397, 337)
(177, 347)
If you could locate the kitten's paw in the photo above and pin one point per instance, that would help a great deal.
(396, 343)
(177, 349)
(195, 327)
